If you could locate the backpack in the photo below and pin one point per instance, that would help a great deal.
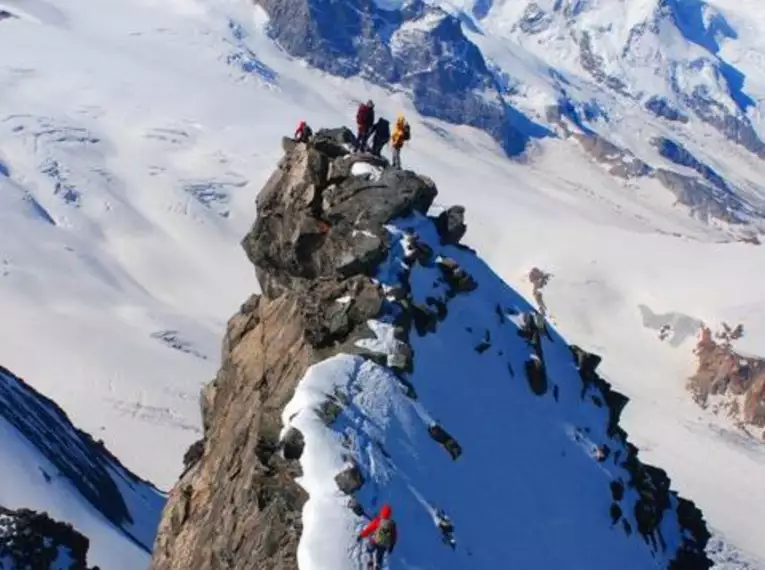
(382, 130)
(384, 533)
(407, 132)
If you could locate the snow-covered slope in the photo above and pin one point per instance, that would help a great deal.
(47, 465)
(128, 132)
(535, 471)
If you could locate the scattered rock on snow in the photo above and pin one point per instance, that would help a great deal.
(484, 344)
(292, 444)
(450, 444)
(330, 410)
(350, 479)
(539, 279)
(424, 319)
(451, 225)
(536, 375)
(459, 280)
(401, 357)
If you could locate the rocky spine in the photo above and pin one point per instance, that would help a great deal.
(319, 238)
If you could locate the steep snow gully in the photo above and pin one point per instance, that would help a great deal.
(385, 362)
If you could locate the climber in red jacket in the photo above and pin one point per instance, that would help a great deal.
(381, 532)
(365, 120)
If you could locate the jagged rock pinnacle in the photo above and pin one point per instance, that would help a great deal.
(317, 240)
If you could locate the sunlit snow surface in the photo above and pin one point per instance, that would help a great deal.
(134, 137)
(526, 491)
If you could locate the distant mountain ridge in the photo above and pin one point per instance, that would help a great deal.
(661, 60)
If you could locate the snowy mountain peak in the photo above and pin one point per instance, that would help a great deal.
(385, 363)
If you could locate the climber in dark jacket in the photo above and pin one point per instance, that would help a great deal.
(381, 135)
(365, 118)
(381, 532)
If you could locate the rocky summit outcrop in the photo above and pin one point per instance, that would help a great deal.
(317, 239)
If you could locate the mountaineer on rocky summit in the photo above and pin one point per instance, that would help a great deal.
(365, 119)
(303, 133)
(381, 135)
(401, 134)
(382, 538)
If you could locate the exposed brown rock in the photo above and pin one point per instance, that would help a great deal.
(235, 488)
(539, 279)
(725, 373)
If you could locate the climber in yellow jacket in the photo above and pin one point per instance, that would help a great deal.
(401, 134)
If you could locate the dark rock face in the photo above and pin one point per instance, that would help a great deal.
(311, 227)
(660, 107)
(621, 162)
(86, 463)
(651, 483)
(349, 480)
(593, 64)
(318, 236)
(451, 225)
(705, 201)
(34, 540)
(432, 59)
(678, 154)
(292, 444)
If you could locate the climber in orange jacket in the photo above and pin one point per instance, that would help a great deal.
(381, 534)
(401, 134)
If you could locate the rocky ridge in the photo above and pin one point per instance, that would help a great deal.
(34, 540)
(319, 239)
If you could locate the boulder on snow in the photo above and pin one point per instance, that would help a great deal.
(401, 357)
(440, 435)
(423, 318)
(350, 479)
(451, 225)
(193, 454)
(420, 251)
(330, 410)
(536, 374)
(292, 444)
(459, 280)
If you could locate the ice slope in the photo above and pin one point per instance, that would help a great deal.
(527, 490)
(47, 465)
(175, 96)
